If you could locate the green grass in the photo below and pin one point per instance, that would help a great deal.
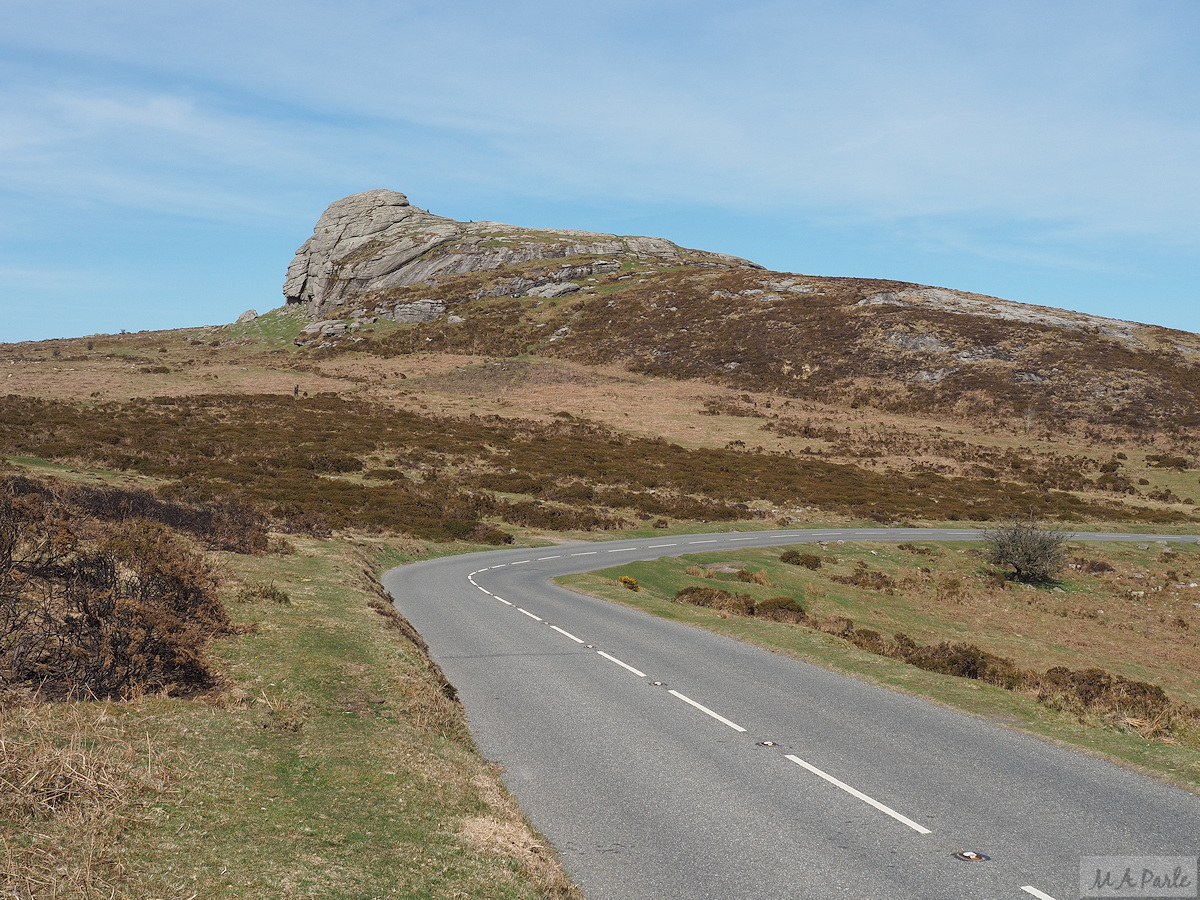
(331, 765)
(276, 329)
(1025, 624)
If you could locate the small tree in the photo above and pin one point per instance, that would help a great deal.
(1037, 554)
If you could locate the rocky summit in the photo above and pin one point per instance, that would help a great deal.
(367, 243)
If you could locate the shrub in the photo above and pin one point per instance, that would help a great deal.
(716, 598)
(779, 609)
(1102, 691)
(1035, 554)
(630, 582)
(113, 616)
(965, 661)
(868, 578)
(808, 560)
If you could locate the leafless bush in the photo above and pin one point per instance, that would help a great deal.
(1035, 554)
(113, 615)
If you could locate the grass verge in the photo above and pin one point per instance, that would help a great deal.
(332, 763)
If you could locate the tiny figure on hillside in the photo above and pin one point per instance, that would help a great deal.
(296, 392)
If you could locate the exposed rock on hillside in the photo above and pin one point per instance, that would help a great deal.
(366, 243)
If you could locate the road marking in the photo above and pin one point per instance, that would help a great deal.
(485, 590)
(1041, 895)
(636, 672)
(499, 566)
(588, 553)
(659, 546)
(887, 810)
(621, 550)
(528, 613)
(543, 558)
(707, 711)
(502, 600)
(702, 542)
(521, 563)
(742, 539)
(568, 634)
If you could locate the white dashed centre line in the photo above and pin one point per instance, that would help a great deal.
(742, 539)
(701, 542)
(588, 553)
(502, 600)
(521, 563)
(528, 613)
(621, 550)
(708, 712)
(567, 634)
(623, 665)
(1041, 895)
(544, 558)
(660, 546)
(870, 801)
(485, 590)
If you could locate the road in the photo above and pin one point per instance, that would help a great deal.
(667, 762)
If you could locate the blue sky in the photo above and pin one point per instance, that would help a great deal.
(161, 162)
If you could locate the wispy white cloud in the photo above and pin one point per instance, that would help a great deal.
(1023, 133)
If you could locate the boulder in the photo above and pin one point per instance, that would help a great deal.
(248, 316)
(550, 291)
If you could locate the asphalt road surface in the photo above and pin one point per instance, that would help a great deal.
(667, 762)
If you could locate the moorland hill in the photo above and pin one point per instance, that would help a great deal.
(658, 309)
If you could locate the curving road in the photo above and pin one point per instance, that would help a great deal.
(667, 762)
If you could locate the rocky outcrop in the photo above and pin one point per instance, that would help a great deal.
(368, 242)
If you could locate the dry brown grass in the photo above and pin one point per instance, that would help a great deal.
(505, 833)
(67, 792)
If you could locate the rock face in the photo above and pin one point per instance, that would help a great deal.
(368, 242)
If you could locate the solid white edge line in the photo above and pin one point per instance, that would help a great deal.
(528, 613)
(568, 634)
(485, 590)
(1041, 895)
(704, 709)
(623, 665)
(502, 600)
(871, 801)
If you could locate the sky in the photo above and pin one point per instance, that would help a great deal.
(161, 162)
